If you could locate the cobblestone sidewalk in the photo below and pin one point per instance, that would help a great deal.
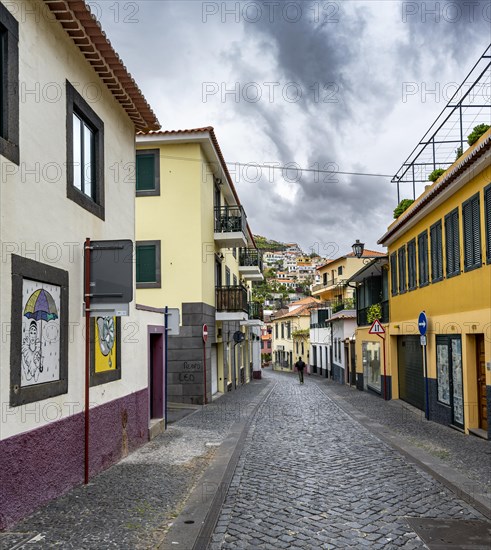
(130, 505)
(467, 454)
(310, 476)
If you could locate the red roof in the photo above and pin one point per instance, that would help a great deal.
(86, 32)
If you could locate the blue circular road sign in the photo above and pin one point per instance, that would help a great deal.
(422, 323)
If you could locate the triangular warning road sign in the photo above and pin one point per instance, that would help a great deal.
(376, 328)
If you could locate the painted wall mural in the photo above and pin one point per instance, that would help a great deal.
(105, 344)
(40, 349)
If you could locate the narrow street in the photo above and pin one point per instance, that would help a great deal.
(303, 473)
(310, 476)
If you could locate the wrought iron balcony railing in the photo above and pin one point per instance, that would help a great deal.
(230, 219)
(251, 257)
(255, 310)
(231, 298)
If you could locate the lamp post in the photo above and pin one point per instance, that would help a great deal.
(358, 248)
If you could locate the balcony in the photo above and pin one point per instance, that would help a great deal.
(230, 226)
(251, 264)
(362, 315)
(231, 303)
(328, 284)
(348, 303)
(255, 315)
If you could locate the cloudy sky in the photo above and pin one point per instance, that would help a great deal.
(339, 86)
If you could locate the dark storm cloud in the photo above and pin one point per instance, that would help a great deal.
(444, 28)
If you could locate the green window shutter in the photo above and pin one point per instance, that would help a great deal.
(487, 221)
(146, 264)
(145, 172)
(393, 273)
(402, 269)
(436, 251)
(472, 233)
(411, 263)
(452, 247)
(423, 258)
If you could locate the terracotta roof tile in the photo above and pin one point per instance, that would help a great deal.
(86, 32)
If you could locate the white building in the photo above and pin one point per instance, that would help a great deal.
(61, 146)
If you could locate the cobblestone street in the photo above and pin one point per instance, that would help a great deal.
(310, 476)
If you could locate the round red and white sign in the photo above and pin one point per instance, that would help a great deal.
(205, 333)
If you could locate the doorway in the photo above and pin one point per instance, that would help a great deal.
(410, 370)
(449, 376)
(481, 383)
(156, 376)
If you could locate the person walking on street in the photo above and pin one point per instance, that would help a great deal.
(300, 365)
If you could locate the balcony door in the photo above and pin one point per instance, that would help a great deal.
(218, 273)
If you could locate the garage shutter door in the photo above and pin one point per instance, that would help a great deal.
(410, 368)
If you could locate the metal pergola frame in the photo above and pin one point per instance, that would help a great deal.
(430, 152)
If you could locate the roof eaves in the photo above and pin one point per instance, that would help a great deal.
(86, 32)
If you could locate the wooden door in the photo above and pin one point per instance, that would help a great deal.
(481, 383)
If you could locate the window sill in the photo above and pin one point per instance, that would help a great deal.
(433, 281)
(148, 193)
(472, 267)
(149, 285)
(422, 285)
(450, 275)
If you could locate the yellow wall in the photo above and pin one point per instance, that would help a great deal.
(182, 218)
(457, 305)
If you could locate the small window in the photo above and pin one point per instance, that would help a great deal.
(487, 221)
(472, 233)
(234, 252)
(324, 279)
(393, 273)
(9, 86)
(148, 264)
(235, 280)
(436, 252)
(283, 330)
(288, 330)
(85, 154)
(402, 269)
(147, 172)
(276, 330)
(227, 276)
(452, 245)
(340, 270)
(423, 259)
(411, 264)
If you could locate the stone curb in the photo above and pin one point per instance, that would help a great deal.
(205, 500)
(446, 475)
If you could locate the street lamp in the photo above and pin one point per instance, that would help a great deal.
(358, 248)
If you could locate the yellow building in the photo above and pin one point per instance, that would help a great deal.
(334, 274)
(440, 263)
(195, 252)
(289, 328)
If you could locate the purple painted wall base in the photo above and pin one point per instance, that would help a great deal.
(43, 464)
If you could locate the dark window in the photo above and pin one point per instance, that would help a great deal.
(9, 86)
(147, 172)
(340, 270)
(411, 264)
(436, 252)
(402, 269)
(288, 330)
(472, 233)
(487, 221)
(324, 279)
(234, 252)
(85, 154)
(148, 264)
(235, 280)
(227, 276)
(423, 259)
(393, 273)
(452, 246)
(276, 330)
(283, 330)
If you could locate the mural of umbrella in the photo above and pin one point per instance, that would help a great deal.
(41, 307)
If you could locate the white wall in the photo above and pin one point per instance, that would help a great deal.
(38, 220)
